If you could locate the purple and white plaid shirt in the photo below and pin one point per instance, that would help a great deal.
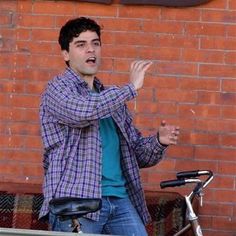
(70, 115)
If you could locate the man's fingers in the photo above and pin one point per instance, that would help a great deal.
(141, 64)
(147, 66)
(163, 123)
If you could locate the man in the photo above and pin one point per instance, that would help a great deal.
(92, 149)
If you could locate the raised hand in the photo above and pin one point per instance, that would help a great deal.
(137, 72)
(168, 134)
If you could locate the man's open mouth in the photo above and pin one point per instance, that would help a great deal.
(91, 60)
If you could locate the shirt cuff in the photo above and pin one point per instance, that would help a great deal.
(132, 90)
(157, 145)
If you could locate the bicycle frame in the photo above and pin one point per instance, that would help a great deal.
(190, 177)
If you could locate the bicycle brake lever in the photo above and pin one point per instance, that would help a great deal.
(201, 198)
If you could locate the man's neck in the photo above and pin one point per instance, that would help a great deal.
(89, 80)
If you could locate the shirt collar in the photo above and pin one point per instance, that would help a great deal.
(97, 84)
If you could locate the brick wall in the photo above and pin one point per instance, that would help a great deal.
(192, 84)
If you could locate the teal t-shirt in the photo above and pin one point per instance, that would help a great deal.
(113, 182)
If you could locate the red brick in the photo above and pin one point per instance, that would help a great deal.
(33, 21)
(24, 7)
(181, 151)
(216, 4)
(21, 155)
(229, 85)
(11, 141)
(145, 12)
(217, 71)
(140, 38)
(53, 8)
(176, 95)
(225, 223)
(33, 142)
(214, 209)
(32, 114)
(121, 25)
(10, 168)
(195, 165)
(222, 181)
(12, 87)
(226, 168)
(207, 56)
(23, 34)
(6, 5)
(8, 113)
(35, 87)
(199, 84)
(165, 165)
(145, 94)
(24, 128)
(218, 43)
(216, 154)
(35, 47)
(154, 108)
(180, 14)
(25, 101)
(32, 170)
(5, 19)
(95, 10)
(218, 16)
(51, 61)
(197, 111)
(178, 41)
(157, 82)
(232, 5)
(177, 68)
(4, 98)
(205, 29)
(201, 139)
(121, 51)
(163, 27)
(231, 30)
(212, 98)
(151, 53)
(143, 121)
(34, 74)
(229, 112)
(212, 125)
(45, 35)
(230, 57)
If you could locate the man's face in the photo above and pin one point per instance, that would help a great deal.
(84, 54)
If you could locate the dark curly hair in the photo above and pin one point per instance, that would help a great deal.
(73, 28)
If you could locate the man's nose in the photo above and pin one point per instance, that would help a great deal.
(90, 47)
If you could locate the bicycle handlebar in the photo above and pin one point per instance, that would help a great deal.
(172, 183)
(186, 177)
(178, 182)
(193, 173)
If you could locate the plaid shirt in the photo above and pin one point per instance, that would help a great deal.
(69, 115)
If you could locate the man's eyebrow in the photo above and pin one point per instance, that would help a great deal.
(84, 41)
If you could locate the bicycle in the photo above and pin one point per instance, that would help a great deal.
(191, 177)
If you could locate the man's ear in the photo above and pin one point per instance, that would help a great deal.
(65, 55)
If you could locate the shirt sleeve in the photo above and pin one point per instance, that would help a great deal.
(148, 150)
(74, 109)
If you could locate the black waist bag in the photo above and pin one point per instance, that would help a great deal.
(72, 207)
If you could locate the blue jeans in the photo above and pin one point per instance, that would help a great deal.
(117, 217)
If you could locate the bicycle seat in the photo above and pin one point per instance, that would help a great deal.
(72, 207)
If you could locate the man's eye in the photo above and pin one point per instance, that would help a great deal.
(97, 44)
(80, 45)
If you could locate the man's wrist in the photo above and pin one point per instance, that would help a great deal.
(158, 140)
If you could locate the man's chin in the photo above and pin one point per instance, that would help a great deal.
(90, 72)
